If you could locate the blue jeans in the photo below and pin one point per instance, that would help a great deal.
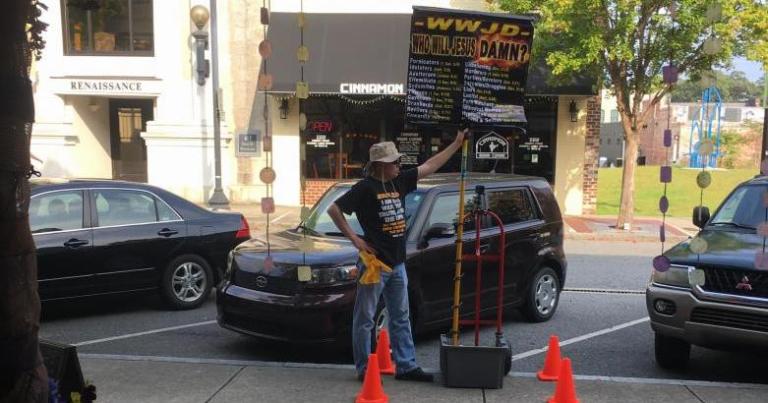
(394, 287)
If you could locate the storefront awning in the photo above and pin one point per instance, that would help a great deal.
(366, 53)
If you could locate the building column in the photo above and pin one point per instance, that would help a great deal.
(591, 156)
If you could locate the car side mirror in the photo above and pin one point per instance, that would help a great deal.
(700, 216)
(440, 230)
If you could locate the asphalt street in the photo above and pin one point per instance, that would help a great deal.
(601, 322)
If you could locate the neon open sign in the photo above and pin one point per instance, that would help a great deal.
(321, 126)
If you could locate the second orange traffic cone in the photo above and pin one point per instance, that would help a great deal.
(565, 391)
(552, 362)
(372, 391)
(382, 351)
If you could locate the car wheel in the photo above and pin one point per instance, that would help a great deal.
(380, 321)
(543, 296)
(671, 353)
(186, 282)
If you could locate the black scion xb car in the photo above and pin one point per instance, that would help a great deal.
(307, 291)
(97, 237)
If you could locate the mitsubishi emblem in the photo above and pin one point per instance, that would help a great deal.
(744, 284)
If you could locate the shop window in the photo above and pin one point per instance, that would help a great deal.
(108, 27)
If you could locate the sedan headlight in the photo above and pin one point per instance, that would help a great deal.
(679, 276)
(333, 275)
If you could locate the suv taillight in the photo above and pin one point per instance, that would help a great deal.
(245, 231)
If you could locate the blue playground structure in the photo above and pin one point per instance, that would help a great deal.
(703, 125)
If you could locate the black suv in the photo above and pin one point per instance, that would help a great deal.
(265, 293)
(714, 291)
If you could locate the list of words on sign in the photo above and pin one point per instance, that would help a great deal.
(467, 67)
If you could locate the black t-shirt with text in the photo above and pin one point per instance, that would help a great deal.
(380, 209)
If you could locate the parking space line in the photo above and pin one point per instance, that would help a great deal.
(280, 217)
(127, 336)
(581, 338)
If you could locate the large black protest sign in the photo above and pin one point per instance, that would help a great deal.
(467, 67)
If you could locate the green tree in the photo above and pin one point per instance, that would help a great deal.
(733, 87)
(627, 43)
(23, 377)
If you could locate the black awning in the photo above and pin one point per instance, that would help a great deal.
(365, 49)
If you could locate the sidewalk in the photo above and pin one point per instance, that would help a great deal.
(585, 227)
(145, 379)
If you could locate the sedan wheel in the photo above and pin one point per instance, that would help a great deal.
(186, 282)
(543, 296)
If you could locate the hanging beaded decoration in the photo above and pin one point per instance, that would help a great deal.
(267, 175)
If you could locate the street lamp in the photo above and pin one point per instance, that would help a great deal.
(199, 15)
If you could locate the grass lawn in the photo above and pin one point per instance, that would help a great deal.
(682, 192)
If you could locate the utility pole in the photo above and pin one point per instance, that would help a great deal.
(218, 199)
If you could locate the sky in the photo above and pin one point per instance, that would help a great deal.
(753, 70)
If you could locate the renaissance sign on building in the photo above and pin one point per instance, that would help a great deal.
(467, 67)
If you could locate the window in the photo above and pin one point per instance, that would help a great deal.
(108, 27)
(512, 206)
(445, 211)
(614, 115)
(165, 213)
(122, 207)
(57, 211)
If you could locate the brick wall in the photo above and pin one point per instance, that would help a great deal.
(591, 154)
(315, 189)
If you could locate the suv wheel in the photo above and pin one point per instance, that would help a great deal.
(671, 353)
(543, 296)
(186, 282)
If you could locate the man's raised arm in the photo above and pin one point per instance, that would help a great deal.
(433, 164)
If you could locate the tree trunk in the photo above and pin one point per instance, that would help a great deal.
(627, 206)
(23, 377)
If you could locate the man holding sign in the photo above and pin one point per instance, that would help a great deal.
(379, 203)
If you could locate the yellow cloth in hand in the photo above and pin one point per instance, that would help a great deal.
(373, 268)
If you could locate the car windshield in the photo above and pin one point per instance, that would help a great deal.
(743, 209)
(319, 222)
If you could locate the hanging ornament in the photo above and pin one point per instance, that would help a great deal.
(663, 204)
(264, 82)
(661, 263)
(302, 121)
(662, 233)
(762, 229)
(706, 147)
(665, 174)
(714, 12)
(703, 179)
(765, 199)
(304, 213)
(669, 73)
(698, 245)
(267, 175)
(697, 277)
(267, 144)
(267, 205)
(264, 16)
(301, 20)
(269, 263)
(761, 260)
(667, 138)
(764, 167)
(712, 45)
(265, 48)
(302, 90)
(708, 79)
(302, 54)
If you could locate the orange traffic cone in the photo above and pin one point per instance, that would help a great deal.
(372, 392)
(551, 362)
(565, 391)
(382, 351)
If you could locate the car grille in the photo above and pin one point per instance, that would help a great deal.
(740, 320)
(726, 281)
(274, 285)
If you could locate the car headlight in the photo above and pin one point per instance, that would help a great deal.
(679, 276)
(333, 275)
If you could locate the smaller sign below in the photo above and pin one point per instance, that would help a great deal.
(248, 144)
(534, 144)
(321, 141)
(410, 145)
(492, 146)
